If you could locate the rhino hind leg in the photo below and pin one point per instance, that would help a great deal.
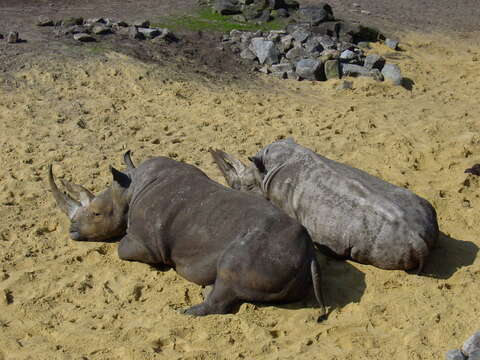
(220, 300)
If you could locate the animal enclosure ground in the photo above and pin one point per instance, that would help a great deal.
(81, 107)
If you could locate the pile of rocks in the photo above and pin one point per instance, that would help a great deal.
(320, 49)
(470, 349)
(259, 11)
(84, 30)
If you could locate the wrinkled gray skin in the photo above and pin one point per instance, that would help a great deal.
(172, 214)
(354, 214)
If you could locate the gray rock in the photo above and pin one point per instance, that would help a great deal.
(227, 7)
(75, 29)
(282, 13)
(12, 37)
(282, 70)
(391, 72)
(296, 53)
(274, 37)
(391, 43)
(292, 75)
(313, 47)
(246, 37)
(286, 43)
(70, 21)
(133, 33)
(91, 21)
(100, 29)
(265, 50)
(345, 85)
(308, 69)
(149, 33)
(332, 69)
(264, 69)
(83, 37)
(472, 344)
(374, 61)
(454, 355)
(474, 355)
(247, 54)
(120, 24)
(44, 21)
(327, 42)
(376, 74)
(348, 55)
(264, 16)
(236, 35)
(301, 35)
(355, 70)
(142, 23)
(315, 15)
(239, 18)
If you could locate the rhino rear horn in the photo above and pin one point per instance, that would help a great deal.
(230, 167)
(68, 205)
(128, 160)
(84, 195)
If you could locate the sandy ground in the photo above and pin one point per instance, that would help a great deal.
(69, 300)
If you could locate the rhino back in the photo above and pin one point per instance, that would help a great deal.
(348, 209)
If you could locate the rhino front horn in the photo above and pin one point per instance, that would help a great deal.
(68, 205)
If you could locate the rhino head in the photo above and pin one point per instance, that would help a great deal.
(238, 175)
(96, 218)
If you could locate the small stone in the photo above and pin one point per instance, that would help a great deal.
(247, 54)
(365, 12)
(348, 55)
(264, 69)
(149, 33)
(315, 15)
(374, 61)
(363, 45)
(454, 355)
(282, 13)
(70, 21)
(345, 85)
(75, 29)
(327, 42)
(239, 18)
(308, 69)
(12, 37)
(236, 35)
(91, 21)
(120, 24)
(356, 5)
(44, 21)
(265, 51)
(142, 23)
(83, 37)
(281, 70)
(392, 73)
(392, 44)
(301, 35)
(133, 33)
(100, 29)
(227, 7)
(332, 69)
(286, 43)
(274, 37)
(264, 16)
(292, 75)
(296, 53)
(472, 344)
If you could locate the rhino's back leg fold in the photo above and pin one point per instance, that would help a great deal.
(134, 250)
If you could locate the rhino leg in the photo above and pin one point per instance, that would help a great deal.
(133, 250)
(220, 300)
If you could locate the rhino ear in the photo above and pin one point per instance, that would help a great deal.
(231, 168)
(120, 179)
(258, 162)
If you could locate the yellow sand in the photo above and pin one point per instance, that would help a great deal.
(61, 299)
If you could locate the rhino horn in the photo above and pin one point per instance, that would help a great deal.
(68, 205)
(79, 191)
(230, 167)
(128, 160)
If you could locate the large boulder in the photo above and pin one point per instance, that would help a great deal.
(265, 50)
(227, 7)
(315, 15)
(309, 69)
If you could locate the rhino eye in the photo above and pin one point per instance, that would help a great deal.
(96, 214)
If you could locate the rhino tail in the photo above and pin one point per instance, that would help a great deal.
(317, 287)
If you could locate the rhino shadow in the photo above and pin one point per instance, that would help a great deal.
(342, 284)
(448, 256)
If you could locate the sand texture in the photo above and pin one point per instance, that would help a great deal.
(61, 299)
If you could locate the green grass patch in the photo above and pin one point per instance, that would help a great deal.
(207, 20)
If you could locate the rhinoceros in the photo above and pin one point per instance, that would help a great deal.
(170, 213)
(353, 214)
